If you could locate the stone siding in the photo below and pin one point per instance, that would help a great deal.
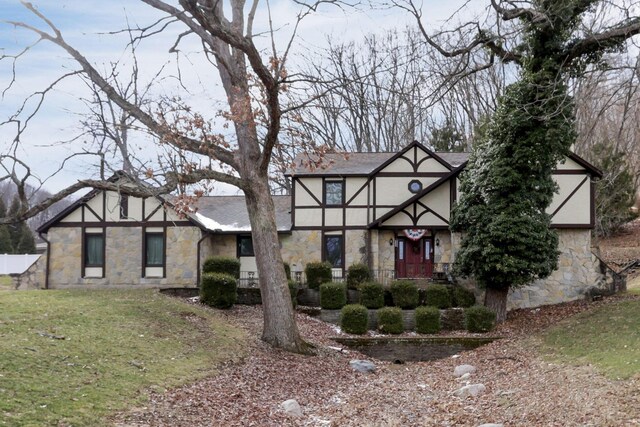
(578, 271)
(123, 259)
(300, 248)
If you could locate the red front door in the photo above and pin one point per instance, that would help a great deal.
(414, 258)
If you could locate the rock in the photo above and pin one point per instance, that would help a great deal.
(464, 377)
(292, 407)
(460, 370)
(363, 366)
(491, 425)
(472, 390)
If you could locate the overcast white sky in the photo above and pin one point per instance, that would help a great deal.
(84, 24)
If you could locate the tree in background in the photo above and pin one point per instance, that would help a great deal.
(615, 192)
(22, 241)
(5, 236)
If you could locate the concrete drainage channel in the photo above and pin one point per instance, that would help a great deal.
(412, 349)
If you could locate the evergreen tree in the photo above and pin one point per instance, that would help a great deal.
(5, 237)
(508, 183)
(21, 237)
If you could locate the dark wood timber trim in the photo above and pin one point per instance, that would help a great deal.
(153, 212)
(365, 185)
(330, 228)
(412, 174)
(97, 215)
(575, 190)
(565, 226)
(292, 208)
(592, 202)
(127, 224)
(164, 249)
(570, 172)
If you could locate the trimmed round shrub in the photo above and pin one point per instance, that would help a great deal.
(293, 290)
(218, 290)
(287, 270)
(223, 265)
(372, 295)
(427, 320)
(333, 296)
(479, 319)
(405, 294)
(390, 320)
(462, 297)
(354, 319)
(357, 274)
(317, 273)
(437, 296)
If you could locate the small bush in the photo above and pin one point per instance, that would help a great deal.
(317, 273)
(390, 320)
(287, 270)
(437, 296)
(333, 296)
(223, 265)
(405, 294)
(357, 274)
(479, 319)
(218, 290)
(354, 319)
(462, 297)
(427, 320)
(293, 290)
(372, 295)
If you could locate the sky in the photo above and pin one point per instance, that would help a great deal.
(88, 25)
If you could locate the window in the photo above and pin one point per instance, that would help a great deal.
(415, 186)
(154, 248)
(334, 192)
(333, 250)
(124, 206)
(94, 250)
(245, 246)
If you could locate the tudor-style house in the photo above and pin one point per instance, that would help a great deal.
(388, 210)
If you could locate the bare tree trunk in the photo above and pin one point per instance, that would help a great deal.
(496, 300)
(280, 329)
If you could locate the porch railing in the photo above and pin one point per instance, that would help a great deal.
(249, 279)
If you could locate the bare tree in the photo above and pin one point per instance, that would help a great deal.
(252, 82)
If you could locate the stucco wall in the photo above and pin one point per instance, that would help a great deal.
(123, 258)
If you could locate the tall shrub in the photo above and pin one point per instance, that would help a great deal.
(333, 296)
(218, 290)
(358, 274)
(405, 294)
(372, 295)
(317, 273)
(222, 265)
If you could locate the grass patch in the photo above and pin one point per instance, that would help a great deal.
(633, 286)
(607, 337)
(116, 344)
(6, 283)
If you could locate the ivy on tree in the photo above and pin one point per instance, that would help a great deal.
(508, 183)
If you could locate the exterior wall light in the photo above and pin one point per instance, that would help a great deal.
(437, 242)
(391, 241)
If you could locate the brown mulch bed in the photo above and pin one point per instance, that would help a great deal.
(523, 389)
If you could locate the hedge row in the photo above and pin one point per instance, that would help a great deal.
(355, 317)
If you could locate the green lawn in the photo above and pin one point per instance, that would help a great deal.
(6, 283)
(74, 357)
(607, 337)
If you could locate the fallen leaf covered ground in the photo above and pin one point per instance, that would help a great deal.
(523, 389)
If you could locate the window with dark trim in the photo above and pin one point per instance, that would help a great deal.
(124, 206)
(245, 246)
(415, 186)
(334, 250)
(154, 249)
(334, 192)
(94, 250)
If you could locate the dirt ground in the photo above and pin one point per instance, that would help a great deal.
(522, 388)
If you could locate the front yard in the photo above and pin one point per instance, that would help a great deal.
(74, 357)
(137, 358)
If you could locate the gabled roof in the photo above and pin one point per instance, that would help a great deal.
(594, 171)
(228, 214)
(365, 164)
(416, 197)
(117, 176)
